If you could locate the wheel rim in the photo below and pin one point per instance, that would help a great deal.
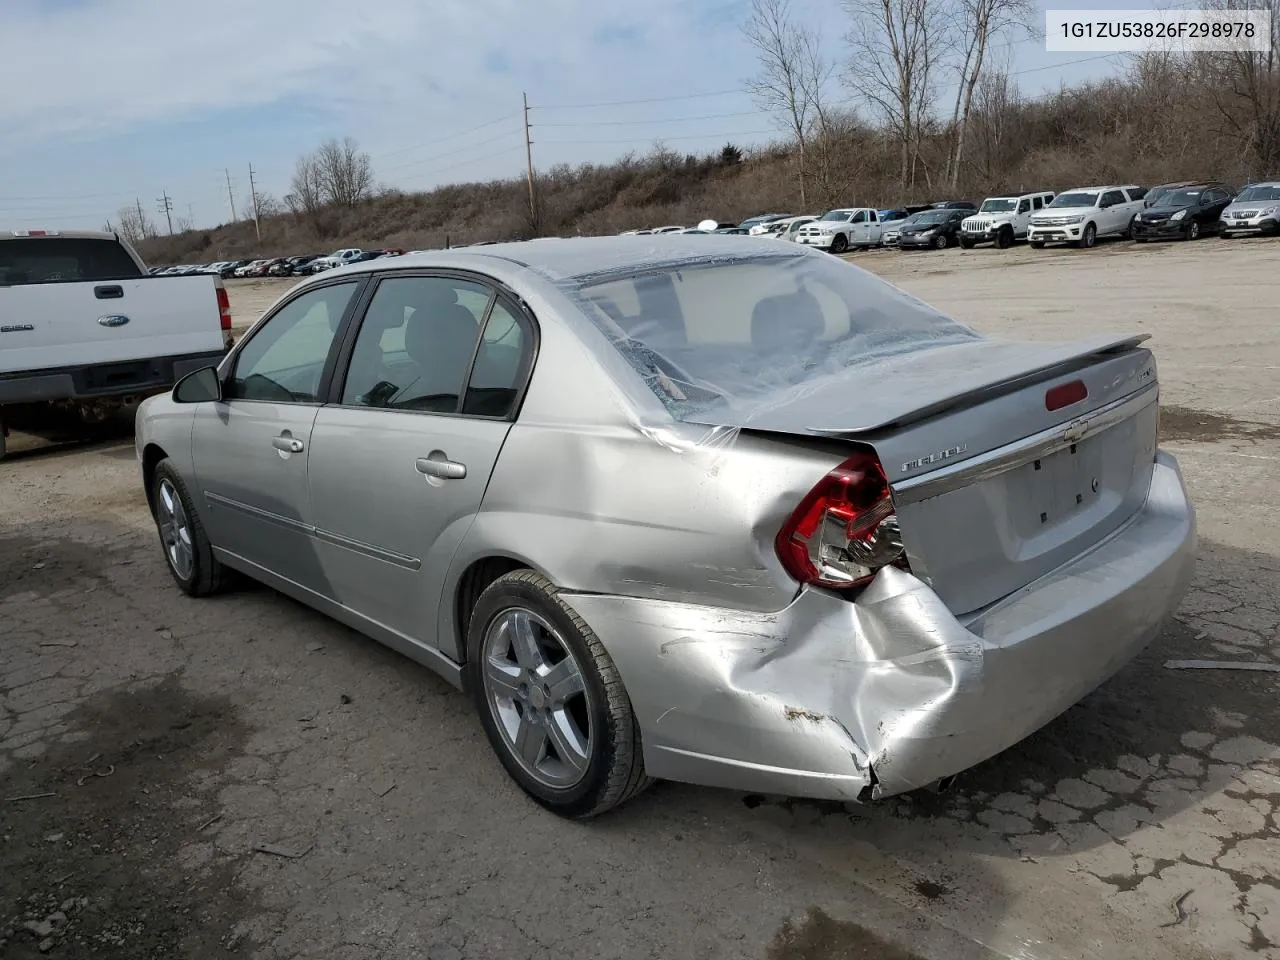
(941, 242)
(1088, 236)
(1193, 231)
(175, 530)
(537, 696)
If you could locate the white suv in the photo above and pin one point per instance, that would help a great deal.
(1002, 220)
(838, 230)
(1081, 215)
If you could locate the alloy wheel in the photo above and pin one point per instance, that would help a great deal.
(175, 530)
(537, 694)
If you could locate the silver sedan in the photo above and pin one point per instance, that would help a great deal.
(707, 509)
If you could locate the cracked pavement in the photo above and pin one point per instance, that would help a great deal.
(151, 744)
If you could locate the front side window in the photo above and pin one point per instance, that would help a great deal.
(1024, 206)
(283, 361)
(417, 344)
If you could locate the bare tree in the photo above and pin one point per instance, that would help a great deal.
(995, 103)
(981, 22)
(306, 190)
(135, 225)
(897, 46)
(345, 172)
(1245, 88)
(793, 75)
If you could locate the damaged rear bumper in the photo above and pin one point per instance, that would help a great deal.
(839, 700)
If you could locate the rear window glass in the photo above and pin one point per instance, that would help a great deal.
(754, 331)
(55, 259)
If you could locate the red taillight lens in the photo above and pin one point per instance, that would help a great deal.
(845, 528)
(1064, 395)
(224, 308)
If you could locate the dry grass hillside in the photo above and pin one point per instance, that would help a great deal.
(1161, 122)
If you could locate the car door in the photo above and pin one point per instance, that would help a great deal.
(1113, 211)
(250, 449)
(875, 229)
(1212, 204)
(401, 457)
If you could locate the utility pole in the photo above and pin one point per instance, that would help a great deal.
(231, 197)
(528, 154)
(166, 207)
(253, 192)
(142, 220)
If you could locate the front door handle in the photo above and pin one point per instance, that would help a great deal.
(287, 444)
(443, 469)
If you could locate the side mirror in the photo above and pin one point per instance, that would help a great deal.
(199, 386)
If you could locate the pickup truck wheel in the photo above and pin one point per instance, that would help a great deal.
(840, 244)
(966, 243)
(1089, 237)
(1004, 239)
(187, 549)
(550, 699)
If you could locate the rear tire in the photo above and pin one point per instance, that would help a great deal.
(188, 552)
(840, 244)
(576, 753)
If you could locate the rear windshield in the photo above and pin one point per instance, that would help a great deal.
(751, 332)
(64, 259)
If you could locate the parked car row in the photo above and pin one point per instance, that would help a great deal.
(299, 266)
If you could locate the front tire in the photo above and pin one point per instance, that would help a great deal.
(1089, 237)
(187, 550)
(941, 242)
(840, 244)
(1036, 244)
(1004, 239)
(1193, 230)
(966, 243)
(551, 700)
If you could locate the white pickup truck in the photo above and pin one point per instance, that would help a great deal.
(841, 229)
(83, 326)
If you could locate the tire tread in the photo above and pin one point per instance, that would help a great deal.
(211, 577)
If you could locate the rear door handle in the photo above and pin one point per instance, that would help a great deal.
(108, 292)
(287, 444)
(444, 469)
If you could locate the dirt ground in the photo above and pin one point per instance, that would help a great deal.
(241, 777)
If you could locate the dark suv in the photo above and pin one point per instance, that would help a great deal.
(1185, 212)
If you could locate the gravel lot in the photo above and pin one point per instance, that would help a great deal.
(149, 743)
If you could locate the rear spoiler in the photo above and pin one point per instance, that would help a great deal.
(986, 391)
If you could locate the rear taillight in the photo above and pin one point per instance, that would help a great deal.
(224, 308)
(845, 529)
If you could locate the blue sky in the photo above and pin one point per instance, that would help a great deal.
(111, 100)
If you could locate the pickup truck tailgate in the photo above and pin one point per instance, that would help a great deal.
(58, 325)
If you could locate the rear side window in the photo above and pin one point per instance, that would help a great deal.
(1037, 202)
(64, 260)
(1113, 197)
(1137, 193)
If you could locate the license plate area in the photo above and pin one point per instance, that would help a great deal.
(1059, 486)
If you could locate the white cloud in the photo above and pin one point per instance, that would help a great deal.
(110, 65)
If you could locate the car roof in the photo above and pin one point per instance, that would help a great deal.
(1107, 186)
(1264, 183)
(576, 258)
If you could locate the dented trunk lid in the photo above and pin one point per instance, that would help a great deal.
(992, 489)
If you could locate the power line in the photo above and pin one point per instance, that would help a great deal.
(447, 136)
(447, 153)
(625, 103)
(708, 136)
(1065, 63)
(630, 123)
(510, 151)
